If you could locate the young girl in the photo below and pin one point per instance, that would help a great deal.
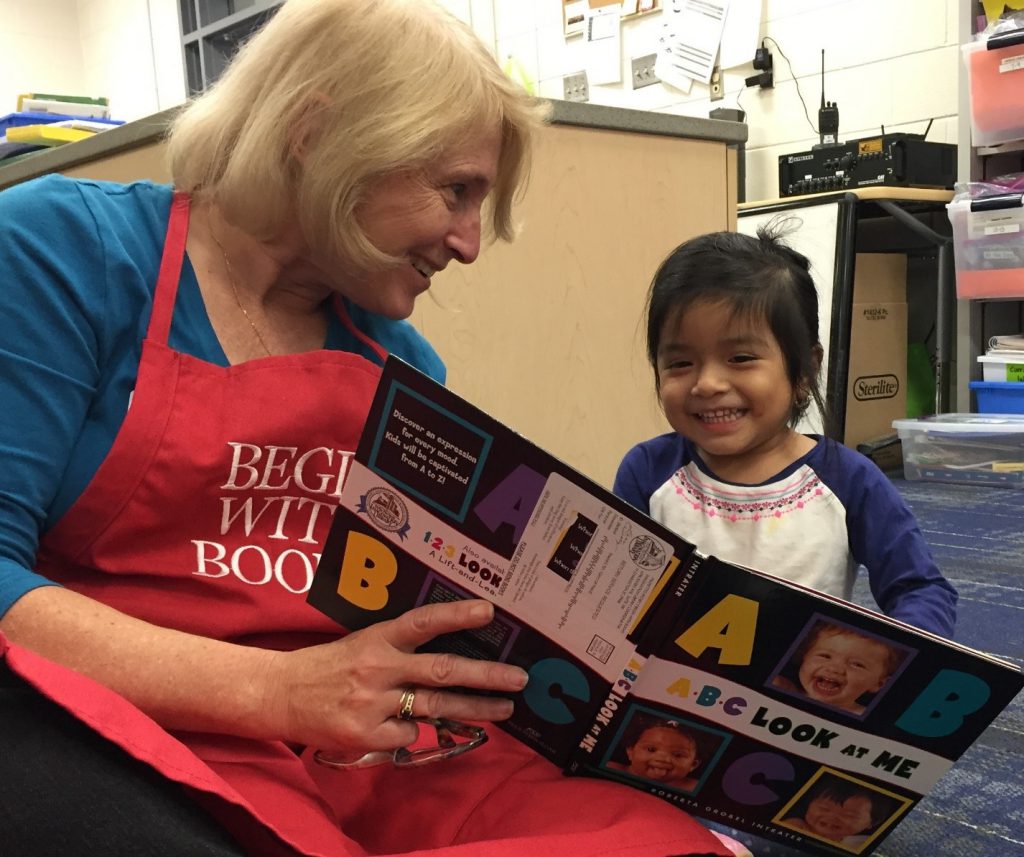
(732, 335)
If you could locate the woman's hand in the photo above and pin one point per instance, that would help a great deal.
(345, 695)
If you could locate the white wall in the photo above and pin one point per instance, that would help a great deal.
(126, 50)
(40, 49)
(887, 63)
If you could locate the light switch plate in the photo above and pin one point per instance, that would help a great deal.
(575, 86)
(643, 71)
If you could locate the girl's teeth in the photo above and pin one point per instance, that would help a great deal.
(720, 416)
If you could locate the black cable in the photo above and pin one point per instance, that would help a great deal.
(795, 81)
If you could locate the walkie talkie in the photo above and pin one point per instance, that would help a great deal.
(828, 114)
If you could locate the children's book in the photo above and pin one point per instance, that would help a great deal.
(739, 697)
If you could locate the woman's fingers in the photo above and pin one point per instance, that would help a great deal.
(437, 703)
(442, 670)
(422, 624)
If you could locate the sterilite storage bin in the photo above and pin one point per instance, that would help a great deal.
(1002, 367)
(986, 449)
(995, 75)
(988, 245)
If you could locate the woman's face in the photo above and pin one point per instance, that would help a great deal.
(427, 218)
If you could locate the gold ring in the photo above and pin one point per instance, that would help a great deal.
(405, 704)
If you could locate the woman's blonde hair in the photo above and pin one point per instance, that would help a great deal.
(331, 94)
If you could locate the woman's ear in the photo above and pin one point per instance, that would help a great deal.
(308, 126)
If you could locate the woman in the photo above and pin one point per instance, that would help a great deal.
(187, 373)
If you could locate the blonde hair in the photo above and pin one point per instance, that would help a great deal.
(332, 94)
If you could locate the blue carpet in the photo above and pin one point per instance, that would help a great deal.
(977, 809)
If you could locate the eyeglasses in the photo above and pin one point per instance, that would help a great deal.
(453, 739)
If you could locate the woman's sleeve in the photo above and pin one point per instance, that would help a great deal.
(51, 306)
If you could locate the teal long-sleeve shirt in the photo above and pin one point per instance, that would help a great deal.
(79, 262)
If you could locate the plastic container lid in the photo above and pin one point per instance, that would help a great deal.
(1001, 357)
(965, 423)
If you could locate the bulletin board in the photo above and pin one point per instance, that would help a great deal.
(574, 11)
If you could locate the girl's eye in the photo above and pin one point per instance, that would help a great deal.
(743, 358)
(676, 364)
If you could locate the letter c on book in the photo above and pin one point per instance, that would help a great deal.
(746, 780)
(545, 675)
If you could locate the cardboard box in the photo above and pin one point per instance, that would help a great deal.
(876, 392)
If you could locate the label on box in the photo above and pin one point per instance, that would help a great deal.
(1015, 371)
(1005, 221)
(1002, 229)
(1011, 64)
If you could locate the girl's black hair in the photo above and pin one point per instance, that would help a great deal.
(761, 279)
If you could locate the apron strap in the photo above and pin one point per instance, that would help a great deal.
(170, 269)
(346, 319)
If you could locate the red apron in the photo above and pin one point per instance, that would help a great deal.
(207, 516)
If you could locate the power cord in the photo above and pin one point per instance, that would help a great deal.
(796, 82)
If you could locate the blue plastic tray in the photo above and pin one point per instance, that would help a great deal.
(999, 397)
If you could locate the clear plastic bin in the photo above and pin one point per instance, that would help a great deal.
(988, 245)
(985, 449)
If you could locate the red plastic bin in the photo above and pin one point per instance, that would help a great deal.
(995, 74)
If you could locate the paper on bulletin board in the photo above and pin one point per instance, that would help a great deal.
(691, 32)
(739, 35)
(574, 16)
(603, 49)
(574, 11)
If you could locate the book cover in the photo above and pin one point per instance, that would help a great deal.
(715, 687)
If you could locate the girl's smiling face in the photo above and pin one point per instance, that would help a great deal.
(723, 384)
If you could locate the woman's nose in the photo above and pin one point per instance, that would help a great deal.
(464, 237)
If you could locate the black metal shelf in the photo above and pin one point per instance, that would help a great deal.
(213, 30)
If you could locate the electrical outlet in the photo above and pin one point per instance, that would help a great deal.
(575, 87)
(643, 71)
(717, 89)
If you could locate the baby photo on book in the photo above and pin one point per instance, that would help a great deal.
(839, 666)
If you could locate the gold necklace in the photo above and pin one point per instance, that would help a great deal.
(234, 291)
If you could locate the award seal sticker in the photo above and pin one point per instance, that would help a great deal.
(386, 509)
(646, 553)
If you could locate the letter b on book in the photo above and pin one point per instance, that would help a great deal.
(367, 568)
(941, 707)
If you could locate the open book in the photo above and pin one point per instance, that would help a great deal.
(712, 686)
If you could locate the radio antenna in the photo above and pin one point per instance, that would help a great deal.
(822, 79)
